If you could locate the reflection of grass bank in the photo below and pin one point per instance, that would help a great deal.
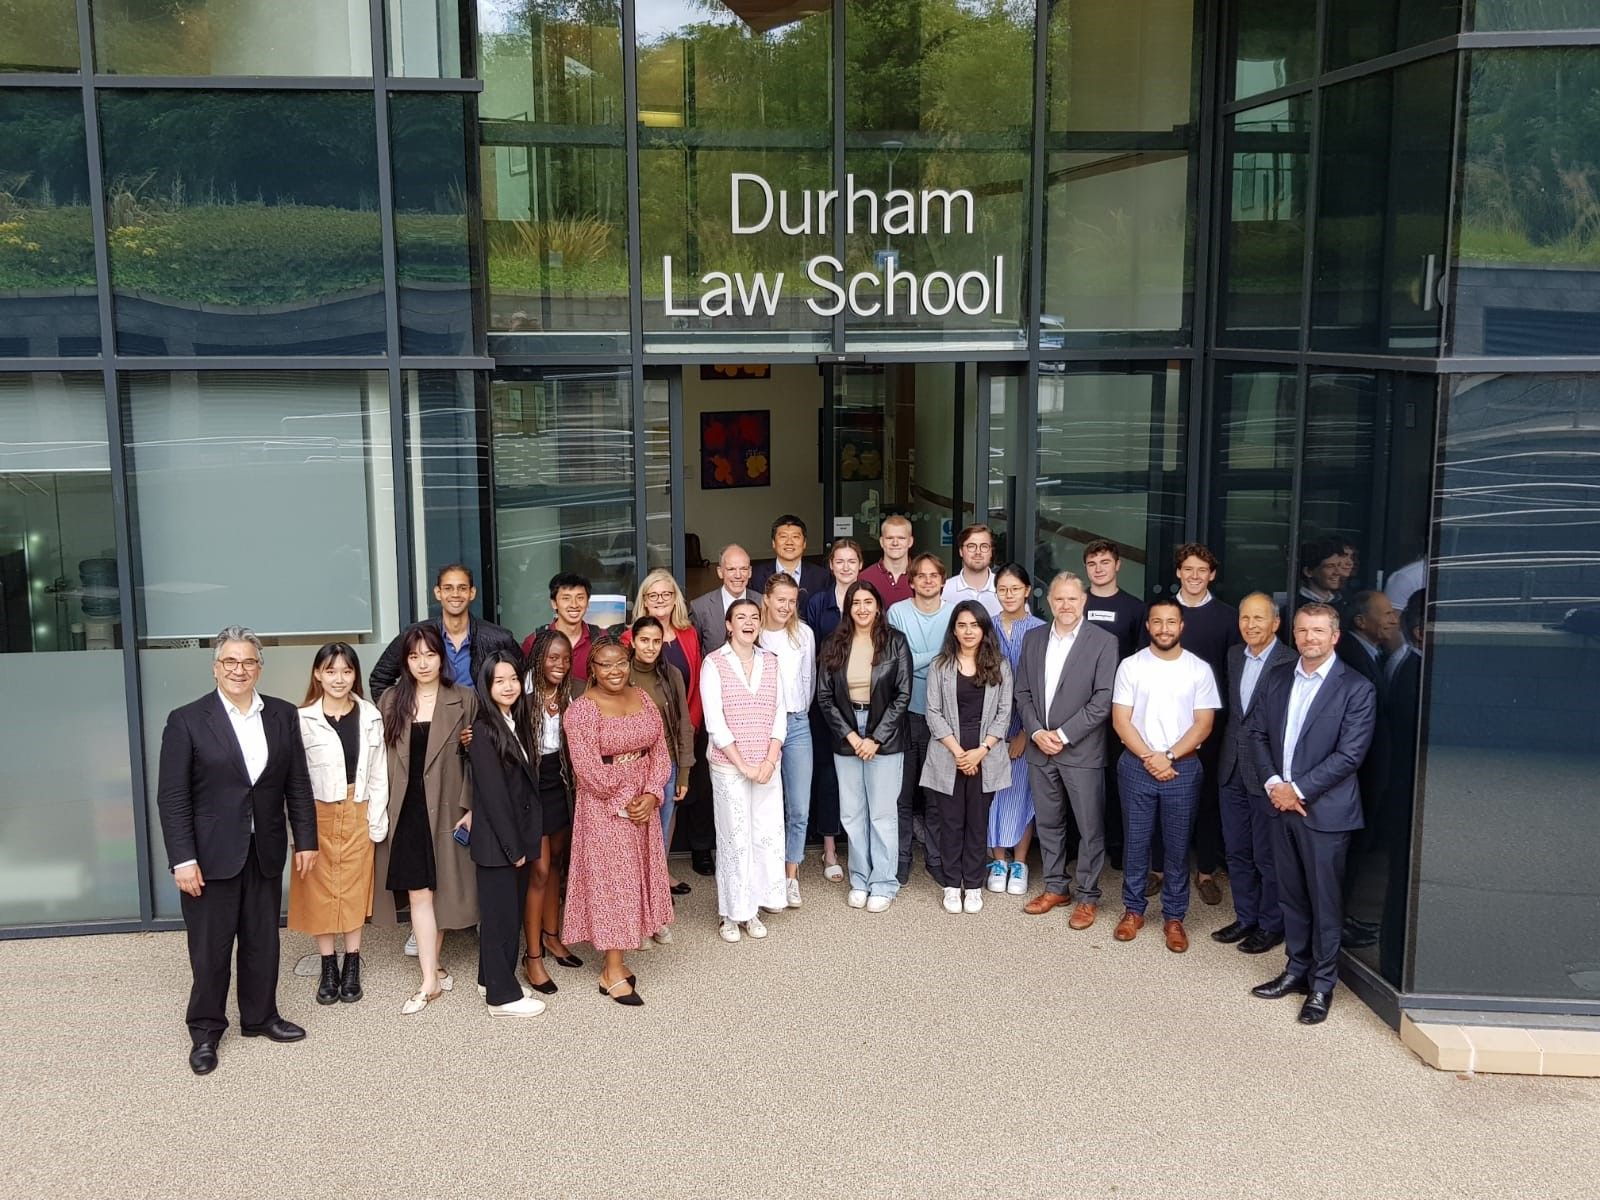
(46, 248)
(1491, 244)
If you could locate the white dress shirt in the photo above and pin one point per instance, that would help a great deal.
(251, 735)
(1301, 695)
(1253, 664)
(1055, 661)
(797, 665)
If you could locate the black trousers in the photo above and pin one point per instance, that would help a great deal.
(1113, 821)
(961, 831)
(698, 816)
(502, 892)
(242, 909)
(1209, 851)
(915, 754)
(825, 820)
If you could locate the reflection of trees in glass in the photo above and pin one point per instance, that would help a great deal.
(1532, 171)
(430, 187)
(38, 35)
(45, 231)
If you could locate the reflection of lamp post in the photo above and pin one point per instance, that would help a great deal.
(891, 151)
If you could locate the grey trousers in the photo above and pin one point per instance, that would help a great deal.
(1055, 787)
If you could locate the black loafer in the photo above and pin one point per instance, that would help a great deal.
(1284, 985)
(1315, 1010)
(1229, 934)
(681, 889)
(203, 1058)
(703, 862)
(1259, 942)
(277, 1030)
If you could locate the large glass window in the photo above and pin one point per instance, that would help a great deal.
(259, 237)
(936, 102)
(563, 486)
(425, 38)
(433, 260)
(1526, 279)
(1513, 716)
(1275, 44)
(1122, 93)
(1263, 254)
(48, 307)
(728, 90)
(1534, 14)
(67, 849)
(448, 477)
(1111, 446)
(232, 37)
(38, 35)
(555, 181)
(1361, 30)
(1254, 425)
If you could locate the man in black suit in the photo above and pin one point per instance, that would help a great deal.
(1309, 732)
(789, 548)
(1246, 814)
(1374, 630)
(1063, 690)
(232, 764)
(468, 642)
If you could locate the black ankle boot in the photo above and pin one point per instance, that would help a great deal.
(350, 984)
(328, 989)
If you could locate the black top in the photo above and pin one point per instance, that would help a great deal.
(1120, 614)
(969, 708)
(348, 727)
(1208, 631)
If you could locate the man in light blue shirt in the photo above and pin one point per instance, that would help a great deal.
(923, 619)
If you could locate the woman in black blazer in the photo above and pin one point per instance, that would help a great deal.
(505, 832)
(863, 691)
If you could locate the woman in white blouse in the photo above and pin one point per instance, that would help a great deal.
(791, 640)
(745, 725)
(343, 737)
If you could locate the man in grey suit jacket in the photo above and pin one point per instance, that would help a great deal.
(1064, 680)
(709, 613)
(1309, 733)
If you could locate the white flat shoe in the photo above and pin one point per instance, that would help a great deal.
(791, 889)
(729, 931)
(856, 898)
(663, 936)
(418, 1002)
(446, 983)
(526, 1007)
(411, 946)
(952, 900)
(877, 904)
(974, 901)
(755, 928)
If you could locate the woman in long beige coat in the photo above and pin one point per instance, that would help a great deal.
(430, 797)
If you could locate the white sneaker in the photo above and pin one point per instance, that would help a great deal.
(755, 928)
(663, 936)
(878, 903)
(411, 946)
(729, 930)
(952, 900)
(1017, 880)
(856, 899)
(528, 1006)
(527, 992)
(996, 879)
(792, 892)
(973, 902)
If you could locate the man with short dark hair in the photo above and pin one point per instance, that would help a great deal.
(975, 579)
(789, 548)
(468, 642)
(891, 574)
(569, 605)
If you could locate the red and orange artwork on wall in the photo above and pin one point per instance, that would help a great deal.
(735, 450)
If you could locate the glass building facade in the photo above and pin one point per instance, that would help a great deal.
(299, 301)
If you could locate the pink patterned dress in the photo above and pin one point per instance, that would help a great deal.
(617, 889)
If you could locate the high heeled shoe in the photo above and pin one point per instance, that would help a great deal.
(548, 987)
(632, 999)
(569, 959)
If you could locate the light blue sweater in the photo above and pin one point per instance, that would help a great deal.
(925, 632)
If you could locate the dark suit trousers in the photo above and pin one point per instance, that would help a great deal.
(1310, 868)
(1113, 820)
(1247, 835)
(696, 808)
(502, 892)
(1062, 797)
(1146, 807)
(825, 820)
(243, 908)
(1208, 839)
(916, 754)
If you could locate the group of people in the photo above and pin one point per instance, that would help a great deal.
(533, 790)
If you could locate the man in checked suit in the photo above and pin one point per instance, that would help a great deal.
(1309, 732)
(1246, 813)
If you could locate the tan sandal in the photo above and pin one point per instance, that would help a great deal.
(419, 1002)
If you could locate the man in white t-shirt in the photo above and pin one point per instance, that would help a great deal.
(1162, 707)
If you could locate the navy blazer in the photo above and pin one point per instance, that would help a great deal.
(1081, 706)
(207, 802)
(813, 578)
(1234, 757)
(1334, 739)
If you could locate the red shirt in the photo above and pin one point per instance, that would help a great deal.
(580, 650)
(893, 591)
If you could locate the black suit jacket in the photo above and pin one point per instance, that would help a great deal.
(506, 813)
(813, 578)
(206, 799)
(486, 637)
(1334, 738)
(1355, 656)
(1234, 756)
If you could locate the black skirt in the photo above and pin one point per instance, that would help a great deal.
(555, 811)
(411, 863)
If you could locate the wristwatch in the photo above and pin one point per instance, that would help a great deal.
(1169, 755)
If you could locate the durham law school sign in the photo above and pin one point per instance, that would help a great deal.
(755, 207)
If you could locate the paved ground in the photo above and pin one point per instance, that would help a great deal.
(848, 1054)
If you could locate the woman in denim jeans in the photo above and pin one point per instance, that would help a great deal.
(783, 634)
(864, 690)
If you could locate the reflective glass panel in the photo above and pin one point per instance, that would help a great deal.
(425, 38)
(232, 37)
(1526, 279)
(1252, 477)
(1513, 716)
(1360, 30)
(1535, 14)
(433, 261)
(555, 181)
(1264, 249)
(736, 137)
(48, 305)
(1276, 44)
(39, 35)
(1121, 92)
(563, 487)
(67, 849)
(449, 478)
(260, 237)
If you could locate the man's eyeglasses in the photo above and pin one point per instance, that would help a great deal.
(235, 665)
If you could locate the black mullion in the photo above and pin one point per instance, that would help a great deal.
(1033, 318)
(630, 113)
(838, 84)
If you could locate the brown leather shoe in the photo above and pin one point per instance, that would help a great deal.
(1044, 902)
(1177, 939)
(1206, 885)
(1128, 927)
(1083, 916)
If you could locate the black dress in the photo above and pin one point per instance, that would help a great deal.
(411, 863)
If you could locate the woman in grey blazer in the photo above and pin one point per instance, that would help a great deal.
(969, 711)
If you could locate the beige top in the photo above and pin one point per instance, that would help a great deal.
(858, 671)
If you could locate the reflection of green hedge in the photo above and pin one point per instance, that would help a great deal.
(46, 248)
(1487, 243)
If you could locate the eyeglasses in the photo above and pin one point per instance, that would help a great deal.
(235, 665)
(660, 597)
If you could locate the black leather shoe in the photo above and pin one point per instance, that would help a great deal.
(277, 1029)
(903, 872)
(1315, 1010)
(702, 862)
(1260, 941)
(681, 889)
(1284, 985)
(328, 988)
(1229, 934)
(350, 981)
(203, 1058)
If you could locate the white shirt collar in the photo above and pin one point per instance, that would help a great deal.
(1198, 603)
(728, 597)
(1322, 671)
(1266, 651)
(255, 705)
(1057, 636)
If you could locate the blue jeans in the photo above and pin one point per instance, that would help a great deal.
(795, 767)
(869, 810)
(669, 805)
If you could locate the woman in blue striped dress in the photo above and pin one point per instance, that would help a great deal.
(1011, 816)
